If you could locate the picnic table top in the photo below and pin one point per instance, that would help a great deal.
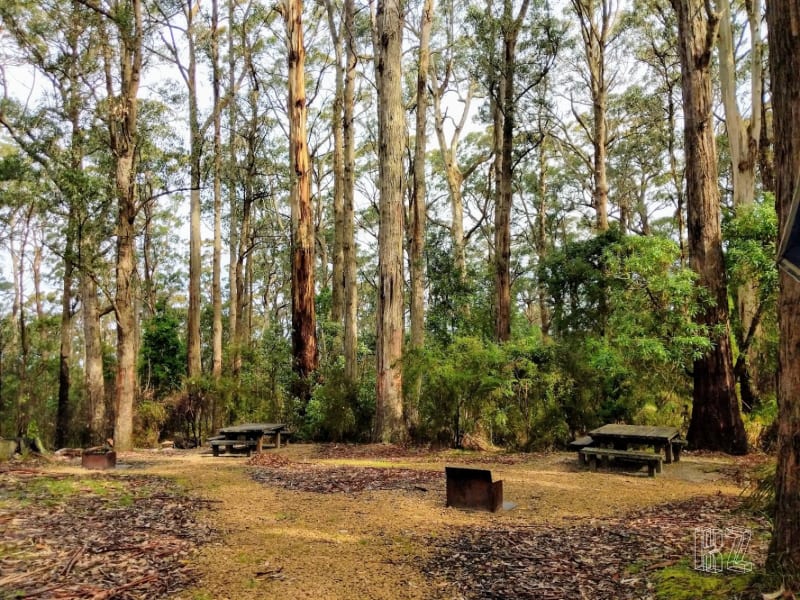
(254, 428)
(646, 432)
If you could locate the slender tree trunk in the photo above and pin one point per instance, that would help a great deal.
(716, 421)
(597, 21)
(36, 272)
(743, 138)
(502, 232)
(65, 354)
(418, 210)
(122, 122)
(783, 19)
(600, 158)
(93, 357)
(338, 285)
(453, 172)
(541, 237)
(216, 275)
(233, 209)
(19, 314)
(389, 425)
(676, 175)
(304, 322)
(193, 351)
(349, 242)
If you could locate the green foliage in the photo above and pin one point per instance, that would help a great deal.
(460, 383)
(149, 420)
(750, 237)
(457, 306)
(162, 359)
(339, 410)
(624, 310)
(513, 394)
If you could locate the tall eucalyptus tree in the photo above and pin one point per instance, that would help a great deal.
(388, 41)
(716, 420)
(304, 323)
(784, 60)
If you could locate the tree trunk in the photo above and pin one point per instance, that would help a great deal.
(453, 173)
(233, 212)
(304, 334)
(541, 238)
(93, 368)
(65, 354)
(216, 275)
(506, 103)
(783, 19)
(125, 384)
(122, 122)
(338, 284)
(716, 421)
(193, 350)
(389, 425)
(597, 22)
(418, 209)
(349, 242)
(743, 139)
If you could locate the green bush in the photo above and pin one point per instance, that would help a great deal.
(339, 410)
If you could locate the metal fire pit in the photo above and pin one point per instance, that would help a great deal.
(473, 489)
(99, 460)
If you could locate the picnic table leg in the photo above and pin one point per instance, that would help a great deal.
(593, 462)
(278, 440)
(668, 452)
(259, 444)
(215, 450)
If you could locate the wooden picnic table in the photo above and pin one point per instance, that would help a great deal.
(621, 436)
(250, 435)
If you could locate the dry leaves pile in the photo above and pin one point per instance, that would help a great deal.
(371, 451)
(395, 452)
(276, 470)
(596, 559)
(96, 537)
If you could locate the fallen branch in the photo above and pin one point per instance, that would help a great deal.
(73, 559)
(106, 594)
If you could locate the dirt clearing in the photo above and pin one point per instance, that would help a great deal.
(367, 522)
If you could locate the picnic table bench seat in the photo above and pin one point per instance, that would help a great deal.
(652, 460)
(579, 444)
(227, 444)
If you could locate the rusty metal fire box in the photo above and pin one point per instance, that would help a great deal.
(98, 460)
(473, 489)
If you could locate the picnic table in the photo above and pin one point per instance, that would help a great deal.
(620, 437)
(248, 436)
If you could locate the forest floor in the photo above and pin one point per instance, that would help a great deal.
(365, 522)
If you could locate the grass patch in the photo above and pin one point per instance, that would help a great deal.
(682, 582)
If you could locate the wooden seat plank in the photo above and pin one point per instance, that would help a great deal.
(652, 460)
